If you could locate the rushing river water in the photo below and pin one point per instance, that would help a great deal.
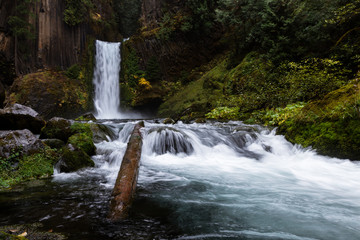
(200, 181)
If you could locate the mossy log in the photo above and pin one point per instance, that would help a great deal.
(126, 181)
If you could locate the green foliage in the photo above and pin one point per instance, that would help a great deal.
(18, 168)
(223, 113)
(313, 78)
(77, 11)
(19, 22)
(277, 116)
(282, 30)
(330, 125)
(131, 68)
(127, 15)
(201, 17)
(73, 72)
(153, 71)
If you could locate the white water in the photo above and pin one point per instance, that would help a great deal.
(240, 182)
(106, 80)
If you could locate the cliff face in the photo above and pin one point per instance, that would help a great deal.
(58, 45)
(55, 44)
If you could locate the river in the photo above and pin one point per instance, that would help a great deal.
(200, 181)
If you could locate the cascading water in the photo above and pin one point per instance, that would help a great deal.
(106, 80)
(202, 181)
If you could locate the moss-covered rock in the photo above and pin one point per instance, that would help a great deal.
(51, 93)
(73, 159)
(84, 142)
(331, 125)
(58, 128)
(54, 143)
(101, 133)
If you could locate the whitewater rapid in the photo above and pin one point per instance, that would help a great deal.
(237, 181)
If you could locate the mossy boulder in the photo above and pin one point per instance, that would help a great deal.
(101, 132)
(331, 125)
(84, 142)
(18, 117)
(51, 93)
(54, 143)
(73, 159)
(86, 117)
(58, 128)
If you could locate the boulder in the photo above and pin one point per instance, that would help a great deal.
(21, 140)
(18, 117)
(102, 133)
(73, 159)
(54, 143)
(169, 121)
(59, 128)
(86, 117)
(84, 142)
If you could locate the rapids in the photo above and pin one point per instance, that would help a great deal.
(201, 181)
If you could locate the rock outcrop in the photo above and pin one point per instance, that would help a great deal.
(58, 128)
(18, 117)
(73, 159)
(20, 140)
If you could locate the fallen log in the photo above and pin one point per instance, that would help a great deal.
(126, 181)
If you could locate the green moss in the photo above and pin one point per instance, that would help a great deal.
(79, 127)
(330, 125)
(83, 141)
(75, 159)
(33, 166)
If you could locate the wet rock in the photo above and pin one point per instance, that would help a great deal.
(86, 117)
(73, 159)
(102, 133)
(168, 121)
(170, 140)
(54, 143)
(56, 127)
(18, 117)
(23, 140)
(200, 120)
(84, 142)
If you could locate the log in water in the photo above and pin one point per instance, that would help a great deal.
(126, 181)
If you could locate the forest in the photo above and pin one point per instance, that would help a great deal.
(243, 105)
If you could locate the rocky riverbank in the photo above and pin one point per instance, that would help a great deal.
(31, 147)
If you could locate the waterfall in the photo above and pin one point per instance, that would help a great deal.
(106, 80)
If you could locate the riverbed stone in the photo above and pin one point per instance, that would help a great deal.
(17, 116)
(19, 140)
(53, 143)
(102, 133)
(73, 159)
(59, 128)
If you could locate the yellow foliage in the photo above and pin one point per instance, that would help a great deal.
(144, 83)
